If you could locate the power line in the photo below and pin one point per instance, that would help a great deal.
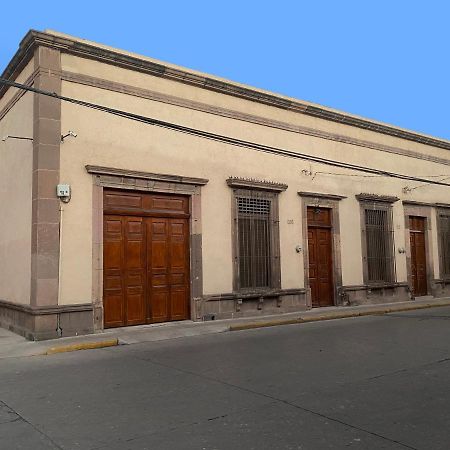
(446, 176)
(219, 137)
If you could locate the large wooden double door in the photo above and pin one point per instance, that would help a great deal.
(418, 255)
(320, 256)
(145, 258)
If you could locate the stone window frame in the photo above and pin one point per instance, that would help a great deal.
(242, 187)
(441, 210)
(106, 177)
(411, 208)
(381, 202)
(329, 201)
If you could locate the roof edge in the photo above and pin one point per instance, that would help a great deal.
(89, 50)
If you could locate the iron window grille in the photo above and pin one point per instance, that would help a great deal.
(256, 240)
(444, 228)
(379, 244)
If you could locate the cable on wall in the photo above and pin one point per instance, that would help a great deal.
(221, 138)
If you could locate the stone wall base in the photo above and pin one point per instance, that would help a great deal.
(41, 323)
(234, 305)
(440, 288)
(373, 295)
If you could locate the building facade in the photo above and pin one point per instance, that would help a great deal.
(213, 211)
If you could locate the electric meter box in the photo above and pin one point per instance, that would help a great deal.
(63, 190)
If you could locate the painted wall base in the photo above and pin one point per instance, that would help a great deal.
(38, 324)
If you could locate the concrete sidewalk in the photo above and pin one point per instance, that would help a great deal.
(13, 346)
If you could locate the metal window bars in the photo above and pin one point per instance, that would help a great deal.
(445, 243)
(254, 240)
(380, 244)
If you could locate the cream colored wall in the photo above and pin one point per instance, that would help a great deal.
(21, 78)
(111, 141)
(16, 161)
(102, 71)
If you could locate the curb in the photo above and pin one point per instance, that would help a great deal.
(334, 315)
(81, 346)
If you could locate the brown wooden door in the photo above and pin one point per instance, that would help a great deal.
(124, 271)
(168, 269)
(320, 257)
(145, 258)
(418, 255)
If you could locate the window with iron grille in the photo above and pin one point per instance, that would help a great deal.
(379, 243)
(444, 231)
(256, 240)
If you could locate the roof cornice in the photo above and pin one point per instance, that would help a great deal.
(109, 56)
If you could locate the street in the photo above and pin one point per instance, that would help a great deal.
(376, 382)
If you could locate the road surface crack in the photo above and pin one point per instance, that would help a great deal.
(21, 418)
(279, 400)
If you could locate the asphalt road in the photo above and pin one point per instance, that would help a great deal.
(380, 382)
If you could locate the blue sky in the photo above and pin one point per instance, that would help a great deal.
(386, 60)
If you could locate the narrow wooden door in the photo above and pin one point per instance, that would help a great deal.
(168, 269)
(320, 257)
(124, 271)
(418, 255)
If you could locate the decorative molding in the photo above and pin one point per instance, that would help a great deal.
(123, 173)
(91, 51)
(255, 294)
(376, 198)
(432, 205)
(250, 183)
(320, 195)
(237, 115)
(370, 287)
(46, 310)
(414, 203)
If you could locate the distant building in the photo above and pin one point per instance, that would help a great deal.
(162, 224)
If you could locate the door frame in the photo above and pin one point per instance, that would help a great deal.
(329, 201)
(112, 178)
(417, 210)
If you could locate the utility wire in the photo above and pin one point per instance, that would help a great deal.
(446, 176)
(408, 189)
(219, 137)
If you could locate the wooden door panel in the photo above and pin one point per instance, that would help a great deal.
(135, 307)
(320, 257)
(134, 270)
(412, 244)
(159, 256)
(113, 257)
(313, 281)
(159, 304)
(158, 298)
(160, 280)
(178, 303)
(417, 226)
(179, 269)
(113, 309)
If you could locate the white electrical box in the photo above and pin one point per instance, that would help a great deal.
(63, 190)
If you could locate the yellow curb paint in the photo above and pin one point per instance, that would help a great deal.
(82, 346)
(336, 315)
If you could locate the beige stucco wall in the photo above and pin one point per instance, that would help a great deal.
(107, 140)
(16, 160)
